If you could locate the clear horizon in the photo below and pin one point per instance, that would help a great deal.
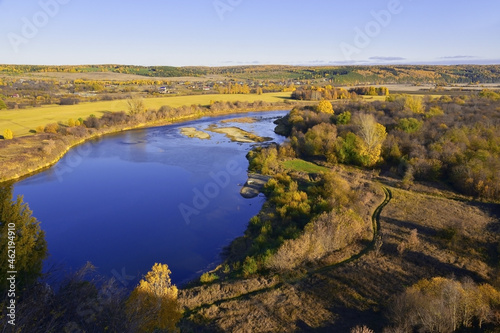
(240, 32)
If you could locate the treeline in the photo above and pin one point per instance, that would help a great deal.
(444, 305)
(331, 93)
(244, 88)
(442, 139)
(336, 74)
(138, 114)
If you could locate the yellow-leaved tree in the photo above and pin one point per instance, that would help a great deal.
(373, 135)
(325, 106)
(153, 303)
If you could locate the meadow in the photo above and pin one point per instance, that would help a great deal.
(22, 121)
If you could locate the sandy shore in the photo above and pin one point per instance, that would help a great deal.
(237, 134)
(192, 132)
(240, 120)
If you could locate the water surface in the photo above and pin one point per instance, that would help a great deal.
(129, 200)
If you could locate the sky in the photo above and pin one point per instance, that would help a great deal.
(237, 32)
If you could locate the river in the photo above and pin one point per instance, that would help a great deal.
(129, 200)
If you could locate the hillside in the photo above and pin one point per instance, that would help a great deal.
(334, 74)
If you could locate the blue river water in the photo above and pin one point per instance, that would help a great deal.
(129, 200)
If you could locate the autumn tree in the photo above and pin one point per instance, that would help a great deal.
(444, 305)
(373, 135)
(2, 105)
(414, 104)
(153, 303)
(344, 118)
(325, 106)
(20, 229)
(135, 106)
(8, 135)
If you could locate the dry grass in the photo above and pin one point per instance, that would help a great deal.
(358, 292)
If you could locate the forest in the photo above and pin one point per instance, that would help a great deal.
(337, 74)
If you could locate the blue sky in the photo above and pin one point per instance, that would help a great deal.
(234, 32)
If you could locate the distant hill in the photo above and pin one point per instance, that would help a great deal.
(335, 74)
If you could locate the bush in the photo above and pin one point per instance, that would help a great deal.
(249, 266)
(208, 277)
(69, 101)
(2, 105)
(8, 135)
(92, 122)
(51, 128)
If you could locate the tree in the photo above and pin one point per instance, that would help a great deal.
(373, 135)
(8, 135)
(2, 105)
(410, 125)
(259, 91)
(135, 106)
(344, 118)
(153, 303)
(444, 305)
(20, 229)
(325, 107)
(414, 104)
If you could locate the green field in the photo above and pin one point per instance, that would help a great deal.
(304, 166)
(24, 120)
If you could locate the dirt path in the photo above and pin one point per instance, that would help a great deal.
(367, 249)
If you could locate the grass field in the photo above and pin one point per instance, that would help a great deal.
(22, 121)
(304, 166)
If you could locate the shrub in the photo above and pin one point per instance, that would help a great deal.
(92, 122)
(8, 135)
(52, 128)
(249, 266)
(208, 277)
(69, 101)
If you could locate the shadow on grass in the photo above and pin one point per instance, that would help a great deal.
(435, 267)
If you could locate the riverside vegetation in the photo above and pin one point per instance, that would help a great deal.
(24, 155)
(380, 215)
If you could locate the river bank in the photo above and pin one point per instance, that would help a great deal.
(24, 156)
